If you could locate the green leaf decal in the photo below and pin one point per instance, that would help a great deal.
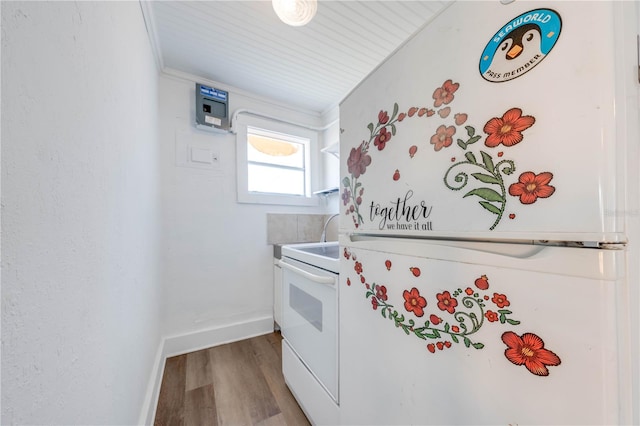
(434, 335)
(485, 178)
(461, 144)
(393, 129)
(346, 181)
(478, 345)
(370, 127)
(487, 205)
(470, 131)
(471, 157)
(395, 110)
(473, 140)
(485, 193)
(486, 159)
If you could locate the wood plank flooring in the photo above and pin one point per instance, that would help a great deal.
(238, 383)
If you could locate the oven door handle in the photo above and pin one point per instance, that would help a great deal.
(315, 278)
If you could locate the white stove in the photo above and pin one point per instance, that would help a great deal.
(310, 327)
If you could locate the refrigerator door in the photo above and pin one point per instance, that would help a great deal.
(509, 126)
(489, 334)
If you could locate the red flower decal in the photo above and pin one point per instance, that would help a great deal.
(381, 292)
(529, 350)
(413, 302)
(460, 119)
(444, 94)
(382, 138)
(374, 303)
(491, 316)
(346, 196)
(508, 129)
(358, 268)
(500, 300)
(443, 137)
(469, 291)
(358, 161)
(446, 302)
(383, 117)
(482, 283)
(435, 320)
(530, 187)
(444, 112)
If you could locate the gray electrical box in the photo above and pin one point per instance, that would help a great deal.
(212, 109)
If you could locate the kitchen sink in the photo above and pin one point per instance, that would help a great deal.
(324, 255)
(327, 250)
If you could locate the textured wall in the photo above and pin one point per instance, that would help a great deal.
(217, 263)
(80, 318)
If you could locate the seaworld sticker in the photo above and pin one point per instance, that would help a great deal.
(520, 45)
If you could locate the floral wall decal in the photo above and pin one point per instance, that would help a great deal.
(488, 173)
(454, 316)
(444, 94)
(528, 350)
(530, 186)
(508, 129)
(413, 302)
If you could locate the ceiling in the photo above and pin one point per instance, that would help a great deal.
(243, 45)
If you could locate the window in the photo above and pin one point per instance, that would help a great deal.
(275, 162)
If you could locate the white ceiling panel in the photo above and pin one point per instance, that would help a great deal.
(243, 44)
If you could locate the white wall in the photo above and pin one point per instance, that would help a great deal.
(80, 300)
(216, 262)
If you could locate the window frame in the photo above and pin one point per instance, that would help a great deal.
(243, 123)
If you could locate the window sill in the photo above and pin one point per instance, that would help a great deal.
(285, 200)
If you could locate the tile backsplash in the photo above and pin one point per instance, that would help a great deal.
(299, 228)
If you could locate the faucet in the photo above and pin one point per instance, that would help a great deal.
(323, 238)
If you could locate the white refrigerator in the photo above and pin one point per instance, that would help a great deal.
(489, 231)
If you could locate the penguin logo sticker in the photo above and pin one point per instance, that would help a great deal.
(520, 45)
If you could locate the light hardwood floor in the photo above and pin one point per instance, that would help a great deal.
(238, 383)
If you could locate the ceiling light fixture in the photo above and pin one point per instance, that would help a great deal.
(295, 12)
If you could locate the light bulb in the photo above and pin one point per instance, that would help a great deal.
(295, 12)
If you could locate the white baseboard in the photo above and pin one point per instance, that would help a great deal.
(194, 341)
(148, 412)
